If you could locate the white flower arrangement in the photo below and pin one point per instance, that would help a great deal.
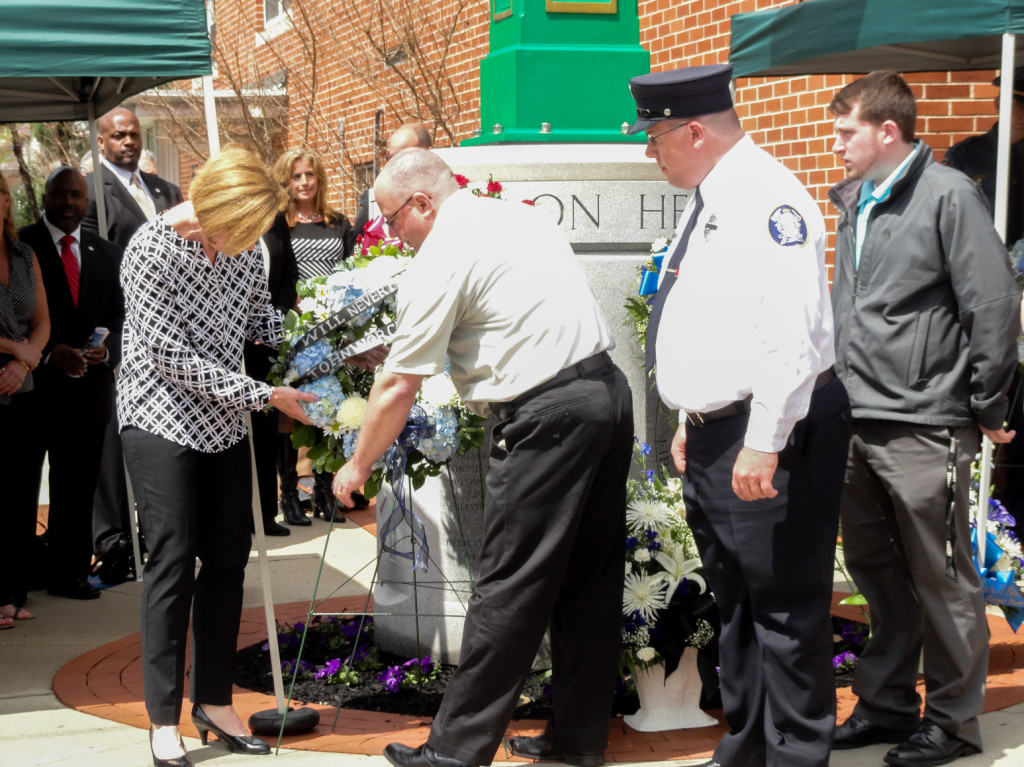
(662, 564)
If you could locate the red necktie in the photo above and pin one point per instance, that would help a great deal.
(70, 265)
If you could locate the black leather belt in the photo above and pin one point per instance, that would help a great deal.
(579, 370)
(743, 405)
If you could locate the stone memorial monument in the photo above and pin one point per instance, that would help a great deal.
(554, 104)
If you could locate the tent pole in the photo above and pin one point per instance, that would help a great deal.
(1002, 188)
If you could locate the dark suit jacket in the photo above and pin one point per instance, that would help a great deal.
(100, 304)
(124, 215)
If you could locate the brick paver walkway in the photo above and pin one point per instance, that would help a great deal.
(107, 682)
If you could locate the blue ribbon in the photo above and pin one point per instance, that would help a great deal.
(649, 279)
(998, 586)
(417, 428)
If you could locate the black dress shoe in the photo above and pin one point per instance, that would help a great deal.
(543, 750)
(858, 731)
(273, 528)
(424, 756)
(236, 744)
(928, 747)
(78, 589)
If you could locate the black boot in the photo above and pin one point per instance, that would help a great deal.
(323, 498)
(287, 457)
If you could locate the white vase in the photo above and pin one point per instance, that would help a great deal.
(673, 703)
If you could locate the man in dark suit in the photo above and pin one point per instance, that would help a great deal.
(131, 197)
(75, 381)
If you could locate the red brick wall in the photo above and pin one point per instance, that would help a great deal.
(787, 116)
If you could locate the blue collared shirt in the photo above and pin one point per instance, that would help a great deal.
(871, 194)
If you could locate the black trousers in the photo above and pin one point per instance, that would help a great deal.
(110, 518)
(22, 446)
(191, 504)
(553, 552)
(770, 564)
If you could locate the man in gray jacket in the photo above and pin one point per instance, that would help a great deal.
(926, 323)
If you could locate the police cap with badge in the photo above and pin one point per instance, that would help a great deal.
(680, 93)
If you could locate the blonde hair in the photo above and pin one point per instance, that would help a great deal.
(283, 173)
(10, 230)
(234, 196)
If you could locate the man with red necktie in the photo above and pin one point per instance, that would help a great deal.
(75, 382)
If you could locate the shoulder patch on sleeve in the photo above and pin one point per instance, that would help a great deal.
(787, 226)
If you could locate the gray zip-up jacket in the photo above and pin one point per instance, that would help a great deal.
(926, 328)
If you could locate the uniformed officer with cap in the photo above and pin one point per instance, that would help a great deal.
(740, 339)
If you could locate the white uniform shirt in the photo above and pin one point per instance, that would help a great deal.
(750, 314)
(497, 288)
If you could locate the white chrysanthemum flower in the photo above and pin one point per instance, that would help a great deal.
(644, 594)
(649, 515)
(677, 567)
(659, 245)
(351, 413)
(439, 391)
(308, 305)
(334, 429)
(642, 555)
(646, 654)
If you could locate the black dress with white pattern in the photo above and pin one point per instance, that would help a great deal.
(186, 321)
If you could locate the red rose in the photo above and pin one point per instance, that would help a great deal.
(461, 180)
(493, 187)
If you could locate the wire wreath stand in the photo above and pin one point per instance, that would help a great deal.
(382, 549)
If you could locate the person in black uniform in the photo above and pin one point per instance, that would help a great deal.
(740, 339)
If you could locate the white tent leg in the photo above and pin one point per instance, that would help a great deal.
(1002, 187)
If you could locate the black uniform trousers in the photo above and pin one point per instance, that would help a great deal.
(769, 563)
(553, 552)
(191, 504)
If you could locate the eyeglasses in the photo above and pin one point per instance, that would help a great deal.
(390, 220)
(652, 140)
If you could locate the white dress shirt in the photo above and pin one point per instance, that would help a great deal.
(58, 235)
(750, 314)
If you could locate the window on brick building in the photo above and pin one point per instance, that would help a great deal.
(272, 9)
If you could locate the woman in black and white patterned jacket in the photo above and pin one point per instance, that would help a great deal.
(191, 303)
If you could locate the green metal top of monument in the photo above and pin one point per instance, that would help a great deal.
(559, 70)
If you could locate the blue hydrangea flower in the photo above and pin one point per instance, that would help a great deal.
(445, 442)
(331, 395)
(310, 357)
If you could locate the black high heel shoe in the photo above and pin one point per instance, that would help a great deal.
(178, 761)
(236, 744)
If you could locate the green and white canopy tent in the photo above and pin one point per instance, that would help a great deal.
(72, 60)
(860, 36)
